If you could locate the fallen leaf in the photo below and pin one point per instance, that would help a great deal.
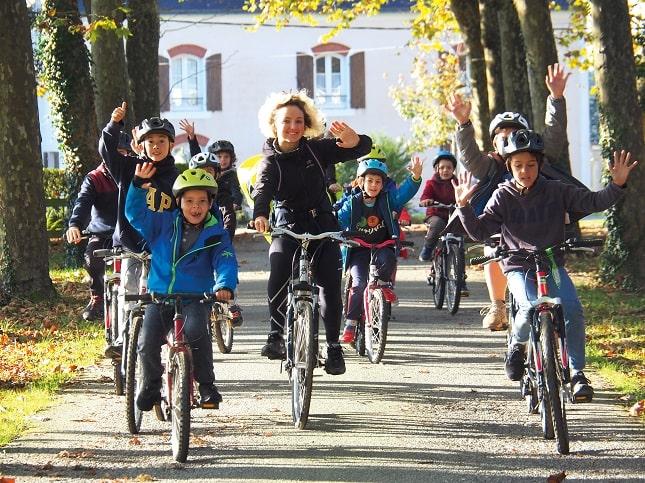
(638, 409)
(135, 441)
(144, 477)
(47, 466)
(75, 454)
(556, 478)
(7, 479)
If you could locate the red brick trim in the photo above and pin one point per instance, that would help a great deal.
(332, 47)
(183, 138)
(190, 49)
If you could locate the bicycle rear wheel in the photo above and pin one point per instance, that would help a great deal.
(376, 331)
(133, 377)
(439, 281)
(223, 332)
(454, 277)
(553, 393)
(304, 360)
(180, 413)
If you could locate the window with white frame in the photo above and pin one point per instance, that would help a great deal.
(51, 159)
(187, 83)
(331, 84)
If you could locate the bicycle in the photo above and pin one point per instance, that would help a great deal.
(546, 382)
(302, 324)
(378, 297)
(447, 269)
(178, 390)
(223, 325)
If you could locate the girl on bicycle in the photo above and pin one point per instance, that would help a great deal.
(369, 213)
(529, 212)
(292, 175)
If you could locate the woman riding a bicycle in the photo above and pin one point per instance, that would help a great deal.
(529, 212)
(368, 213)
(292, 174)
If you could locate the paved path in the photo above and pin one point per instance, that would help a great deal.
(438, 408)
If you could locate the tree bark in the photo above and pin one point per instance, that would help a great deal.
(491, 41)
(513, 59)
(143, 64)
(66, 74)
(467, 14)
(109, 69)
(621, 127)
(23, 239)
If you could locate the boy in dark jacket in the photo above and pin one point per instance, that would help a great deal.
(191, 253)
(529, 212)
(95, 211)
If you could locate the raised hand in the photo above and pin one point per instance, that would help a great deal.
(621, 167)
(459, 108)
(416, 167)
(145, 171)
(188, 128)
(119, 112)
(136, 147)
(556, 80)
(346, 136)
(463, 189)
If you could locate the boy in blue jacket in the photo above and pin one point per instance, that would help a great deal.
(369, 213)
(191, 253)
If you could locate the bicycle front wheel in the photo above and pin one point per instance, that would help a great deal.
(439, 282)
(133, 377)
(180, 413)
(304, 360)
(360, 338)
(376, 331)
(454, 277)
(553, 386)
(223, 332)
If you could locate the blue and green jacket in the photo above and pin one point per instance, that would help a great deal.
(389, 201)
(208, 266)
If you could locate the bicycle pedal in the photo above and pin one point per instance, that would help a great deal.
(210, 405)
(581, 399)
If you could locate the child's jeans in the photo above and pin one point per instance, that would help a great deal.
(523, 292)
(157, 322)
(436, 225)
(359, 264)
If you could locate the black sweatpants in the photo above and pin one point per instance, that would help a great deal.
(96, 266)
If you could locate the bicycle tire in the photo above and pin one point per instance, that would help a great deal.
(347, 286)
(133, 376)
(454, 277)
(360, 338)
(114, 313)
(553, 393)
(439, 282)
(305, 357)
(180, 414)
(223, 333)
(119, 383)
(376, 332)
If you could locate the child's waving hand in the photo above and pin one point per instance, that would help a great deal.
(620, 167)
(416, 167)
(463, 189)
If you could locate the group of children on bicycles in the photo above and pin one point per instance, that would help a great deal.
(175, 216)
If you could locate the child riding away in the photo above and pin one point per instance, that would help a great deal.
(156, 136)
(191, 253)
(369, 213)
(529, 212)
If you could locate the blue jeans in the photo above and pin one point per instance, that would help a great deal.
(359, 265)
(524, 292)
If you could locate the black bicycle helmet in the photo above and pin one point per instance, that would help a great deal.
(507, 119)
(155, 125)
(223, 145)
(443, 154)
(523, 140)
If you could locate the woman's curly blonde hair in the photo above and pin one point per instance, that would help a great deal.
(314, 121)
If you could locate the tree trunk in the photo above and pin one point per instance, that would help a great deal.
(66, 74)
(621, 127)
(109, 70)
(493, 53)
(516, 84)
(143, 59)
(24, 270)
(467, 14)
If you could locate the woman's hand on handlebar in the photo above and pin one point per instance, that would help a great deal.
(261, 224)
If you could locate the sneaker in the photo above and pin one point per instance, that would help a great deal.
(348, 334)
(94, 309)
(113, 351)
(515, 362)
(235, 313)
(581, 390)
(425, 253)
(148, 397)
(335, 363)
(274, 348)
(495, 316)
(209, 396)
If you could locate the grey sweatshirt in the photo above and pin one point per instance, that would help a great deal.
(535, 219)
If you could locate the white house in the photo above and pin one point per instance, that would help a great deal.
(216, 72)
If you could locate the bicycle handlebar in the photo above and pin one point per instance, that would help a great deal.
(154, 297)
(339, 236)
(437, 205)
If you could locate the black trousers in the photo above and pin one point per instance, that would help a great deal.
(326, 265)
(96, 266)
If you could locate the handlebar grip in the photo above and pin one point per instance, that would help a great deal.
(588, 242)
(143, 297)
(105, 252)
(479, 260)
(406, 243)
